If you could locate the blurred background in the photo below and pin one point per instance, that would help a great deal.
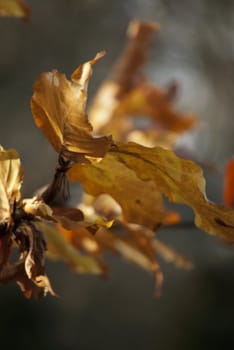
(195, 47)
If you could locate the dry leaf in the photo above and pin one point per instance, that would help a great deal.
(60, 248)
(14, 8)
(58, 108)
(149, 101)
(32, 246)
(128, 95)
(11, 176)
(133, 242)
(140, 201)
(154, 169)
(16, 228)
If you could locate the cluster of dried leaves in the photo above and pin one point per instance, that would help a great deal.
(124, 176)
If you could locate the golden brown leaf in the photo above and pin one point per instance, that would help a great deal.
(58, 108)
(14, 8)
(140, 201)
(136, 246)
(150, 101)
(11, 175)
(153, 171)
(60, 248)
(128, 95)
(133, 242)
(69, 239)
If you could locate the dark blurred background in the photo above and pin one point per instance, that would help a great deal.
(195, 47)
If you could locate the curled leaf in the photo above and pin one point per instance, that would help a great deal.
(11, 176)
(32, 246)
(58, 108)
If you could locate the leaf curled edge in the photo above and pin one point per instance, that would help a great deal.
(58, 107)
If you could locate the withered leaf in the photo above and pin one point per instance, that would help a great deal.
(11, 176)
(155, 169)
(135, 246)
(58, 108)
(150, 101)
(32, 246)
(128, 95)
(60, 248)
(14, 8)
(133, 242)
(140, 201)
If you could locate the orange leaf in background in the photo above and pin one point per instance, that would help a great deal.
(14, 8)
(58, 108)
(156, 170)
(228, 192)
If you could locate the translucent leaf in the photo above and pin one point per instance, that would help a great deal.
(156, 170)
(58, 108)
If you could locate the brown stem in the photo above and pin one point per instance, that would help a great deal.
(179, 225)
(59, 182)
(10, 272)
